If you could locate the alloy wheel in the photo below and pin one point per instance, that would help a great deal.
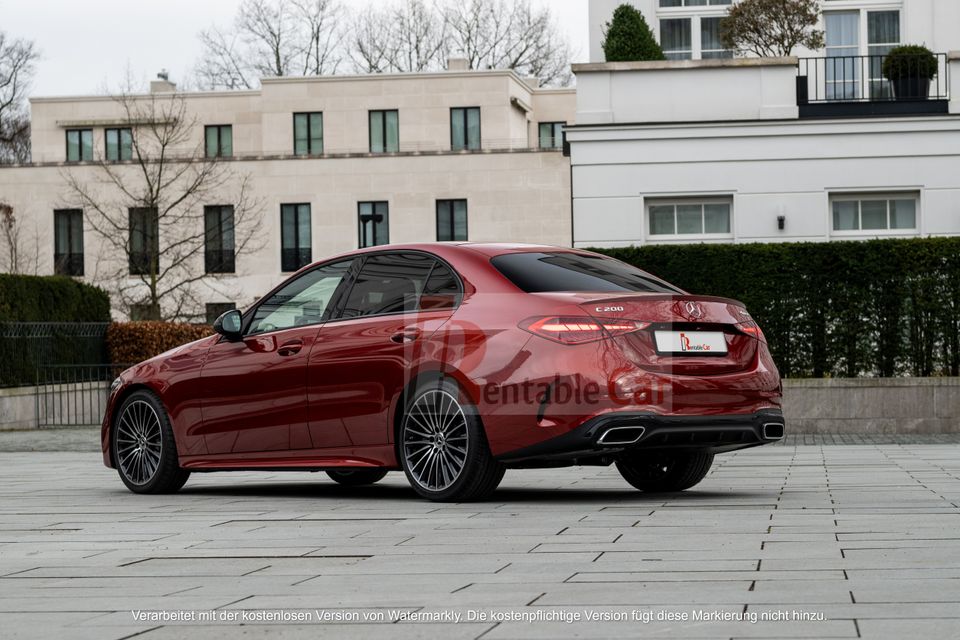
(139, 442)
(435, 440)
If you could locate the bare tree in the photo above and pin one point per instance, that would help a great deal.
(18, 59)
(19, 246)
(149, 215)
(404, 37)
(499, 34)
(272, 38)
(772, 28)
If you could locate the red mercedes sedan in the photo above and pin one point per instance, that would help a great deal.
(454, 362)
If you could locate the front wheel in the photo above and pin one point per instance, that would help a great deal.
(443, 448)
(143, 447)
(357, 477)
(661, 471)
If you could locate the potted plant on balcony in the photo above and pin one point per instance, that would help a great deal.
(909, 69)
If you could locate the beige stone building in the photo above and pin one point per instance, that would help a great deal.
(334, 163)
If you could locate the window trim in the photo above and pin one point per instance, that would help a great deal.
(686, 200)
(466, 119)
(466, 217)
(383, 127)
(296, 227)
(66, 143)
(219, 128)
(879, 195)
(310, 115)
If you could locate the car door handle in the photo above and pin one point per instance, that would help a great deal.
(290, 348)
(407, 334)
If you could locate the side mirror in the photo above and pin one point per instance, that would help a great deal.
(229, 324)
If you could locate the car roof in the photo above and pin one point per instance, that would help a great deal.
(489, 249)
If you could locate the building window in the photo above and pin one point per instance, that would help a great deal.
(119, 144)
(218, 140)
(68, 242)
(451, 220)
(693, 3)
(842, 47)
(308, 134)
(711, 46)
(551, 135)
(883, 34)
(144, 311)
(374, 224)
(384, 131)
(296, 250)
(79, 145)
(676, 39)
(217, 309)
(219, 256)
(874, 212)
(144, 255)
(465, 128)
(686, 218)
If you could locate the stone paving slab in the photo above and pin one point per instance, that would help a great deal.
(793, 541)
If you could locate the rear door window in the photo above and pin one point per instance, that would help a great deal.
(388, 283)
(442, 290)
(535, 272)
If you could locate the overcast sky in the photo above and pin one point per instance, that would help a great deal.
(88, 45)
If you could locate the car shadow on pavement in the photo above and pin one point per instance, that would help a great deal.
(323, 489)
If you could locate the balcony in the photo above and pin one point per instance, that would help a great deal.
(852, 86)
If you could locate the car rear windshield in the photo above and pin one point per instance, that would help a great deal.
(541, 272)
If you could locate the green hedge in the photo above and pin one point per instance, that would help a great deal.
(875, 308)
(24, 351)
(51, 299)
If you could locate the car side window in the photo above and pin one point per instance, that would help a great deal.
(442, 290)
(388, 283)
(303, 301)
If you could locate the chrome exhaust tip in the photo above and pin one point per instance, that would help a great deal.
(621, 435)
(773, 431)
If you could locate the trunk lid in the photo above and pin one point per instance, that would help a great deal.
(708, 323)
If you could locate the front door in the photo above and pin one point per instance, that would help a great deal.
(254, 390)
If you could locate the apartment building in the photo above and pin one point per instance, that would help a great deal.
(710, 146)
(335, 163)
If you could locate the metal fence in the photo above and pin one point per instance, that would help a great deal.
(73, 395)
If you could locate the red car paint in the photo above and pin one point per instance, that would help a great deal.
(329, 395)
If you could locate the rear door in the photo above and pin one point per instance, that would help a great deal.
(361, 360)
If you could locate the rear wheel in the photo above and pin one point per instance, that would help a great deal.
(357, 477)
(664, 471)
(443, 448)
(143, 446)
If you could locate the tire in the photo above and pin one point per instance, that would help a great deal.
(443, 448)
(660, 472)
(144, 450)
(357, 477)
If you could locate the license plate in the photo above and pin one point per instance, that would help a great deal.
(691, 342)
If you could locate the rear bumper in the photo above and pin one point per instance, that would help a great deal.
(613, 433)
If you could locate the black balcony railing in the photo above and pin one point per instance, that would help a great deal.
(220, 261)
(293, 259)
(856, 85)
(68, 264)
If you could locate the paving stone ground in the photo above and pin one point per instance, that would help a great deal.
(792, 541)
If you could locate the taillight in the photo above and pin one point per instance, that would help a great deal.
(752, 329)
(578, 330)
